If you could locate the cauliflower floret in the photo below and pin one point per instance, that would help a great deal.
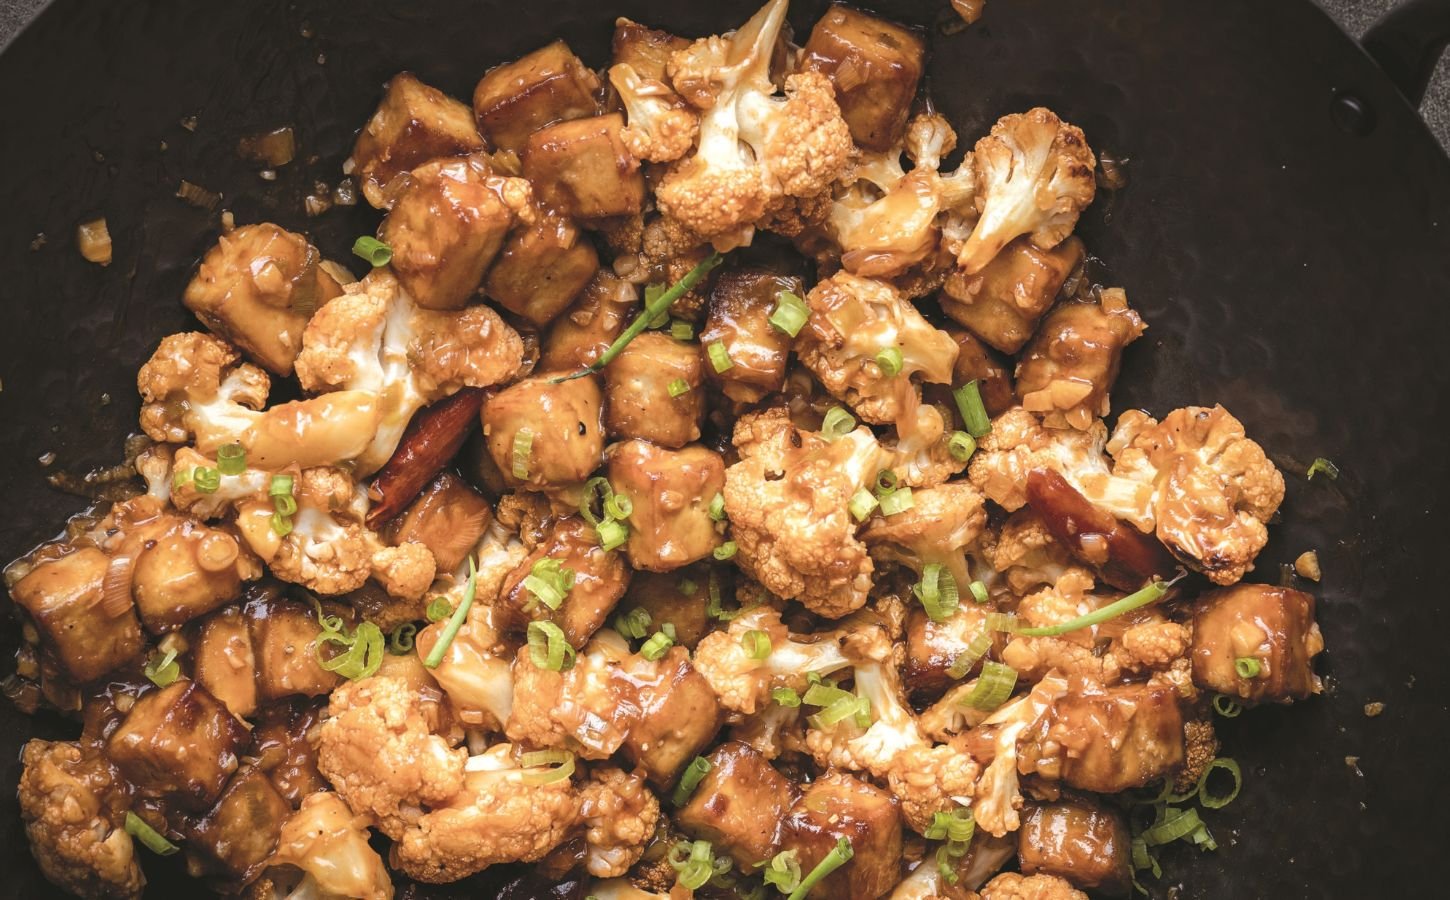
(1200, 748)
(1034, 176)
(941, 523)
(1073, 653)
(500, 815)
(620, 812)
(406, 570)
(376, 340)
(623, 889)
(327, 845)
(852, 321)
(1012, 886)
(921, 454)
(787, 501)
(998, 799)
(70, 799)
(660, 128)
(743, 684)
(1212, 489)
(578, 709)
(380, 751)
(1024, 551)
(1153, 644)
(753, 148)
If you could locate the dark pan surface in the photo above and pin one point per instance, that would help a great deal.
(1289, 267)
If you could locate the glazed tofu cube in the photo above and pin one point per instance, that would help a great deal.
(516, 99)
(413, 124)
(448, 518)
(281, 745)
(637, 386)
(257, 288)
(178, 743)
(586, 329)
(542, 268)
(836, 806)
(875, 66)
(738, 318)
(284, 633)
(1070, 365)
(678, 715)
(447, 224)
(648, 50)
(223, 661)
(1273, 626)
(237, 836)
(679, 598)
(581, 168)
(184, 573)
(1107, 739)
(564, 425)
(1002, 303)
(980, 363)
(932, 647)
(740, 804)
(671, 492)
(1080, 841)
(63, 597)
(600, 579)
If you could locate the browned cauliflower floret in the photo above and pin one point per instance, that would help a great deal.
(1034, 176)
(380, 751)
(501, 814)
(323, 854)
(375, 339)
(404, 571)
(921, 454)
(743, 684)
(1012, 886)
(998, 798)
(1212, 488)
(71, 800)
(787, 503)
(938, 527)
(1153, 644)
(660, 127)
(620, 812)
(578, 709)
(1025, 553)
(1200, 748)
(753, 147)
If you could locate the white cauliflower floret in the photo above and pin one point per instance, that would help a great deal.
(998, 798)
(1072, 654)
(743, 684)
(577, 709)
(68, 799)
(1012, 886)
(754, 150)
(1034, 176)
(1025, 553)
(659, 128)
(376, 340)
(380, 750)
(323, 854)
(620, 813)
(921, 453)
(501, 814)
(852, 320)
(942, 522)
(787, 500)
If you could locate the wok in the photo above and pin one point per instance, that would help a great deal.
(1285, 231)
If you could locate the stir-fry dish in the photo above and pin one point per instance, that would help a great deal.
(705, 492)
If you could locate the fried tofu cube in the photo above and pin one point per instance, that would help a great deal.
(257, 288)
(280, 742)
(678, 716)
(646, 49)
(413, 124)
(600, 579)
(564, 440)
(835, 806)
(740, 804)
(739, 319)
(235, 839)
(550, 85)
(178, 743)
(1107, 740)
(932, 648)
(186, 572)
(449, 517)
(542, 268)
(64, 599)
(641, 403)
(875, 66)
(284, 634)
(680, 597)
(1080, 841)
(1070, 365)
(581, 168)
(1273, 626)
(980, 363)
(448, 222)
(585, 330)
(1002, 303)
(671, 491)
(223, 661)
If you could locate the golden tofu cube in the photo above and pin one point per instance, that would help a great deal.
(1002, 303)
(64, 599)
(837, 806)
(562, 427)
(581, 168)
(178, 743)
(1273, 626)
(186, 572)
(875, 66)
(738, 318)
(638, 388)
(413, 124)
(542, 268)
(235, 839)
(671, 491)
(679, 597)
(284, 634)
(449, 517)
(223, 661)
(600, 579)
(740, 804)
(1080, 841)
(678, 716)
(550, 85)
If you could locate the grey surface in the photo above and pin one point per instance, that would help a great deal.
(1353, 15)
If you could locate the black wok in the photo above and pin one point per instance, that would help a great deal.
(1286, 232)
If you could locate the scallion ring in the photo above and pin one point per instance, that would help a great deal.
(657, 646)
(548, 648)
(561, 763)
(861, 505)
(789, 315)
(977, 648)
(523, 448)
(898, 501)
(612, 534)
(784, 696)
(231, 459)
(162, 670)
(633, 624)
(1247, 667)
(837, 424)
(726, 551)
(402, 638)
(376, 252)
(690, 779)
(756, 644)
(678, 388)
(717, 507)
(961, 446)
(206, 480)
(439, 609)
(1227, 706)
(890, 360)
(993, 686)
(720, 359)
(1211, 800)
(783, 871)
(973, 413)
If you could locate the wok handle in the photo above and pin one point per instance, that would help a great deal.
(1407, 42)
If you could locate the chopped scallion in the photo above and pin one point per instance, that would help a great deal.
(890, 361)
(834, 860)
(455, 622)
(373, 250)
(633, 624)
(790, 314)
(523, 448)
(231, 459)
(861, 505)
(784, 696)
(1227, 706)
(363, 654)
(281, 525)
(717, 507)
(1218, 801)
(993, 686)
(681, 330)
(783, 871)
(961, 446)
(612, 534)
(837, 424)
(898, 501)
(969, 405)
(756, 644)
(206, 479)
(726, 551)
(1149, 593)
(1247, 667)
(937, 591)
(1323, 465)
(979, 591)
(152, 839)
(561, 763)
(720, 359)
(439, 609)
(402, 638)
(678, 388)
(548, 648)
(977, 648)
(618, 507)
(162, 670)
(549, 582)
(690, 779)
(657, 646)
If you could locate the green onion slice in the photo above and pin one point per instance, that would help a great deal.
(837, 424)
(561, 761)
(206, 479)
(886, 482)
(1149, 593)
(694, 861)
(862, 505)
(720, 359)
(549, 582)
(834, 860)
(1219, 801)
(657, 646)
(455, 622)
(1247, 667)
(1000, 621)
(961, 446)
(439, 609)
(162, 670)
(890, 360)
(281, 525)
(726, 551)
(373, 250)
(993, 686)
(678, 388)
(231, 459)
(363, 653)
(152, 839)
(681, 330)
(633, 624)
(977, 648)
(1227, 706)
(402, 638)
(689, 780)
(618, 507)
(790, 314)
(612, 534)
(653, 307)
(548, 649)
(1326, 466)
(280, 486)
(717, 507)
(957, 826)
(937, 591)
(898, 501)
(1176, 825)
(974, 414)
(756, 644)
(783, 871)
(523, 448)
(784, 696)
